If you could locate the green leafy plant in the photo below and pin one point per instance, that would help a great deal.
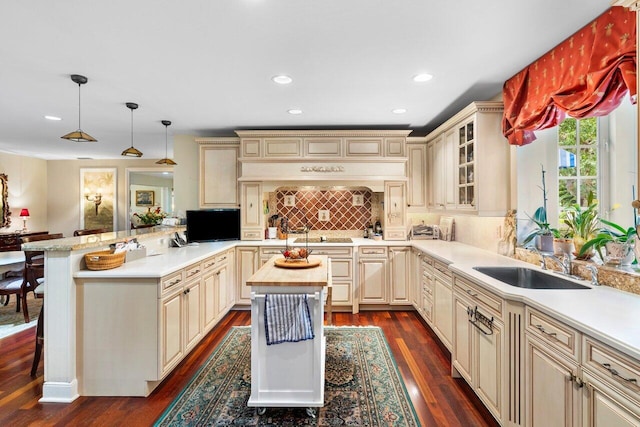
(151, 216)
(583, 222)
(613, 233)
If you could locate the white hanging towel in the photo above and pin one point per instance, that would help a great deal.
(287, 318)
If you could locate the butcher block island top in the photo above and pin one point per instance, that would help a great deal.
(271, 275)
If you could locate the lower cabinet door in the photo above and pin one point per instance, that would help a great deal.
(487, 351)
(552, 399)
(462, 341)
(221, 284)
(373, 281)
(604, 407)
(192, 302)
(443, 312)
(171, 309)
(210, 304)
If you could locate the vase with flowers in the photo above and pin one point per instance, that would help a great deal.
(150, 217)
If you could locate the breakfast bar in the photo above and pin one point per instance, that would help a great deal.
(288, 371)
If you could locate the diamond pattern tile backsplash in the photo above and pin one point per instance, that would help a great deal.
(326, 209)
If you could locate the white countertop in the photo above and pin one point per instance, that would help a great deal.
(607, 314)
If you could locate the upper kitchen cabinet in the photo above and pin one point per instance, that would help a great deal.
(468, 162)
(416, 172)
(395, 200)
(219, 172)
(330, 144)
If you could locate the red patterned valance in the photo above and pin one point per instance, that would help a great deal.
(586, 75)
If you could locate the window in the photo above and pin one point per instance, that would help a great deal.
(578, 161)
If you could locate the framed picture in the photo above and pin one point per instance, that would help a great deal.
(98, 198)
(145, 198)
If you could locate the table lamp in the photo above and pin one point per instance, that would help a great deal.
(24, 214)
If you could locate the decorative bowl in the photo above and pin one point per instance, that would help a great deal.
(296, 254)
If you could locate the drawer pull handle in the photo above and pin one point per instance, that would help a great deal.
(576, 379)
(471, 293)
(615, 373)
(174, 282)
(194, 272)
(541, 329)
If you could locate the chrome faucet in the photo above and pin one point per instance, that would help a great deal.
(564, 263)
(594, 274)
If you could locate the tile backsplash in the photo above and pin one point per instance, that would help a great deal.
(326, 209)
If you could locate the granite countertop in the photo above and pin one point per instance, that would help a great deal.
(99, 240)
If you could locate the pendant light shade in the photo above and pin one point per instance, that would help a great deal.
(79, 135)
(132, 151)
(166, 161)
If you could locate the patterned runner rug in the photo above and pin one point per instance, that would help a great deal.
(362, 386)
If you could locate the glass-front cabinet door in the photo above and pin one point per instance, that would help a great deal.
(466, 165)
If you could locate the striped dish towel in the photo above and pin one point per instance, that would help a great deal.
(287, 318)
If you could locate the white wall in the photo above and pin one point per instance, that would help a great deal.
(63, 191)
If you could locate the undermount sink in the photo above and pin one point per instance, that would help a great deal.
(528, 278)
(328, 240)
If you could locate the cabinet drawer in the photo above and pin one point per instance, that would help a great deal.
(442, 269)
(341, 293)
(341, 269)
(268, 252)
(221, 258)
(209, 264)
(553, 332)
(480, 296)
(171, 281)
(192, 271)
(334, 252)
(372, 251)
(252, 235)
(395, 235)
(610, 364)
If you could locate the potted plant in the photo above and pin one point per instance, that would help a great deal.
(616, 240)
(563, 242)
(582, 223)
(542, 230)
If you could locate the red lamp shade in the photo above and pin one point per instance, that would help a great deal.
(24, 212)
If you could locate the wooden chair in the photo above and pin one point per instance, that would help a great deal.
(34, 275)
(88, 231)
(21, 286)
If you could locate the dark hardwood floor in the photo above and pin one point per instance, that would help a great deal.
(439, 400)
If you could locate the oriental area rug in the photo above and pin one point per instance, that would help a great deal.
(362, 386)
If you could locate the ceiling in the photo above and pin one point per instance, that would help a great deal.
(207, 65)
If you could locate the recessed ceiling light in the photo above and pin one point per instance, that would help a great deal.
(294, 111)
(424, 77)
(399, 110)
(53, 118)
(282, 79)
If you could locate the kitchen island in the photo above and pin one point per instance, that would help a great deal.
(288, 374)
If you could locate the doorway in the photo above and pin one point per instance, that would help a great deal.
(149, 188)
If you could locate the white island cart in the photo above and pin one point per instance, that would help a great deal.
(289, 374)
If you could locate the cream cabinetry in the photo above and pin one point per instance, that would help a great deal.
(400, 279)
(247, 263)
(416, 172)
(372, 267)
(572, 379)
(219, 172)
(181, 315)
(395, 200)
(252, 219)
(443, 303)
(469, 161)
(342, 274)
(414, 279)
(478, 343)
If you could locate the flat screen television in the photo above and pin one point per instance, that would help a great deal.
(210, 225)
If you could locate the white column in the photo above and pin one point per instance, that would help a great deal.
(60, 376)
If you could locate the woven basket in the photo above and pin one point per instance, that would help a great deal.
(104, 260)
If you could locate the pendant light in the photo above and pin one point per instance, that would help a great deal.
(79, 135)
(166, 161)
(132, 151)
